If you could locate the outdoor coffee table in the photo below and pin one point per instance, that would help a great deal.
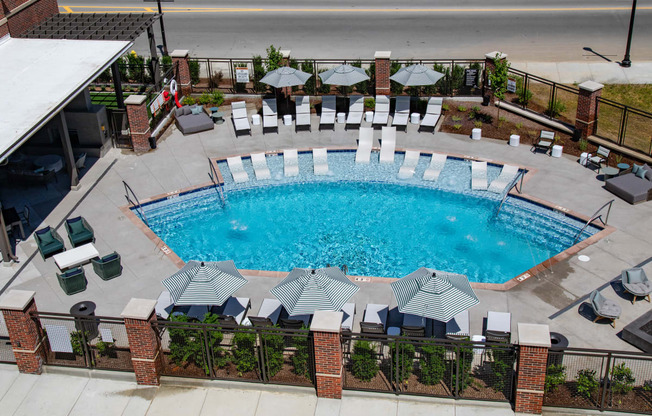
(609, 172)
(218, 117)
(75, 256)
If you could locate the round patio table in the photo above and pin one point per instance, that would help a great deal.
(609, 172)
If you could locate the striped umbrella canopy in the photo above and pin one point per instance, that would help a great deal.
(285, 77)
(343, 75)
(305, 291)
(199, 283)
(415, 75)
(434, 294)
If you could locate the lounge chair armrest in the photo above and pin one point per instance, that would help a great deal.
(87, 225)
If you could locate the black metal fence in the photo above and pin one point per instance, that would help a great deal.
(97, 342)
(429, 366)
(595, 379)
(6, 351)
(624, 126)
(244, 353)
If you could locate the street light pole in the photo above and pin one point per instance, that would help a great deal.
(626, 63)
(165, 43)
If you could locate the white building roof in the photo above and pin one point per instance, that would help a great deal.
(38, 77)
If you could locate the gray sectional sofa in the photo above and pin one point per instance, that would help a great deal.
(630, 187)
(189, 123)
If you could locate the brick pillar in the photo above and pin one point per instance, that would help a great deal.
(138, 122)
(534, 342)
(587, 107)
(382, 72)
(144, 344)
(326, 329)
(25, 333)
(489, 66)
(184, 82)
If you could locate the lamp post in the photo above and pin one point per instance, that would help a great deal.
(626, 63)
(165, 43)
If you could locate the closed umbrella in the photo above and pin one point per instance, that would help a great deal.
(210, 283)
(415, 75)
(285, 77)
(343, 75)
(305, 291)
(433, 294)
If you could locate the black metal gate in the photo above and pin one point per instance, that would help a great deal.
(119, 128)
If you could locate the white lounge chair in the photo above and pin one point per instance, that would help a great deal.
(433, 112)
(498, 326)
(365, 143)
(270, 114)
(478, 176)
(506, 176)
(320, 161)
(375, 318)
(388, 144)
(402, 112)
(409, 164)
(302, 105)
(327, 111)
(237, 170)
(291, 162)
(164, 305)
(347, 316)
(261, 169)
(356, 109)
(268, 314)
(458, 326)
(237, 308)
(437, 163)
(239, 117)
(381, 111)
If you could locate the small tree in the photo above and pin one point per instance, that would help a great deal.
(365, 366)
(432, 364)
(555, 376)
(309, 86)
(395, 87)
(587, 383)
(622, 379)
(274, 58)
(498, 78)
(259, 73)
(244, 352)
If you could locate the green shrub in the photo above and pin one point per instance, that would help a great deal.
(431, 364)
(622, 379)
(166, 63)
(502, 362)
(519, 125)
(524, 96)
(204, 99)
(301, 357)
(555, 376)
(364, 364)
(193, 66)
(465, 357)
(214, 99)
(445, 107)
(187, 345)
(370, 102)
(77, 341)
(309, 86)
(456, 118)
(259, 73)
(477, 124)
(136, 67)
(105, 349)
(403, 357)
(587, 383)
(476, 109)
(555, 108)
(461, 108)
(188, 100)
(456, 77)
(457, 126)
(274, 343)
(244, 352)
(583, 145)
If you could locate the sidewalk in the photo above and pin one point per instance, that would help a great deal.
(578, 72)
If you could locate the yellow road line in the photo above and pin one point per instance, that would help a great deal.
(67, 9)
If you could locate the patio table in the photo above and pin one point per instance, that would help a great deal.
(75, 256)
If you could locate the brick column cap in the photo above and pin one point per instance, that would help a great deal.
(534, 335)
(135, 99)
(285, 53)
(16, 300)
(591, 86)
(140, 309)
(179, 53)
(327, 321)
(383, 55)
(492, 55)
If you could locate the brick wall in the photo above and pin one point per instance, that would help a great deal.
(328, 364)
(25, 335)
(180, 60)
(145, 350)
(29, 17)
(531, 377)
(382, 73)
(587, 106)
(138, 126)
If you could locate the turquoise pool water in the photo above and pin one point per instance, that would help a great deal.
(375, 228)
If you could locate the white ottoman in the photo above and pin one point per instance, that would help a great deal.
(584, 157)
(476, 134)
(414, 118)
(287, 119)
(341, 118)
(514, 140)
(369, 116)
(557, 150)
(255, 119)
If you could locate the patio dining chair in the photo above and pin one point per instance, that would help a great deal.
(544, 142)
(79, 231)
(600, 157)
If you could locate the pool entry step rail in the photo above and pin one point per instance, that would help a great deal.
(515, 181)
(596, 216)
(137, 206)
(218, 185)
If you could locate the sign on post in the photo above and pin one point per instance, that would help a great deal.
(511, 85)
(470, 77)
(242, 74)
(156, 104)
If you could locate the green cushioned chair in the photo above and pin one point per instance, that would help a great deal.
(79, 231)
(72, 281)
(48, 241)
(107, 267)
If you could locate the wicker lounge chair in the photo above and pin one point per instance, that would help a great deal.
(72, 281)
(635, 281)
(107, 267)
(49, 242)
(604, 308)
(79, 231)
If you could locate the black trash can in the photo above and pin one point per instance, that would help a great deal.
(558, 343)
(152, 142)
(485, 100)
(84, 318)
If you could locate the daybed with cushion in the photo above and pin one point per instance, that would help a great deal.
(192, 119)
(633, 187)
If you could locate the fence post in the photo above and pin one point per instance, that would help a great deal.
(382, 72)
(138, 122)
(587, 107)
(326, 328)
(144, 343)
(180, 58)
(534, 342)
(489, 67)
(25, 333)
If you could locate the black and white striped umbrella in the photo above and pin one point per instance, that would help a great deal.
(305, 291)
(210, 283)
(434, 294)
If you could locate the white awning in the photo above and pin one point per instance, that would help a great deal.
(39, 77)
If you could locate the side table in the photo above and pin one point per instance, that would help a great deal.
(609, 172)
(218, 117)
(622, 167)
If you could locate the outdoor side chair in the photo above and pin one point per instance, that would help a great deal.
(260, 321)
(635, 281)
(545, 141)
(604, 308)
(413, 331)
(72, 281)
(79, 231)
(371, 328)
(107, 267)
(291, 323)
(48, 242)
(601, 156)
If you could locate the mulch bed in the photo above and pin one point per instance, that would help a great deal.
(637, 400)
(118, 359)
(378, 383)
(286, 375)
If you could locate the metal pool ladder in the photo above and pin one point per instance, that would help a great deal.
(218, 185)
(515, 181)
(136, 204)
(594, 217)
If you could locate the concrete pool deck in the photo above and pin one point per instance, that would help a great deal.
(553, 297)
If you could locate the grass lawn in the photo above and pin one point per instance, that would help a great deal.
(634, 95)
(106, 98)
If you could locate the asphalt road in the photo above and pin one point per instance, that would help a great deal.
(554, 30)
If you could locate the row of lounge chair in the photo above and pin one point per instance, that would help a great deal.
(291, 161)
(328, 112)
(479, 180)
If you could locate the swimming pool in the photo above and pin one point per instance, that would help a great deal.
(365, 218)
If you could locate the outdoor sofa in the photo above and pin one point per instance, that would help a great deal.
(192, 119)
(631, 187)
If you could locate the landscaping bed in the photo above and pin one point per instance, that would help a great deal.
(566, 395)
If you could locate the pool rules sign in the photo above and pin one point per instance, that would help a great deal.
(242, 74)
